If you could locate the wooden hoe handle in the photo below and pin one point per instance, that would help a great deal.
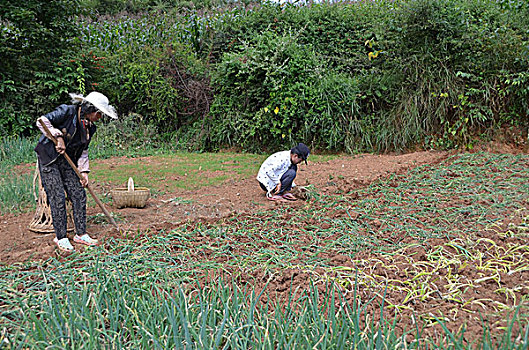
(74, 167)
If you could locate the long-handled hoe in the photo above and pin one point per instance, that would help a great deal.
(110, 218)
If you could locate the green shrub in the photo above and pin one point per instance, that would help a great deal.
(129, 135)
(151, 69)
(360, 76)
(448, 69)
(36, 37)
(457, 55)
(274, 91)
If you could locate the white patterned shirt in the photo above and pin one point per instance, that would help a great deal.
(273, 168)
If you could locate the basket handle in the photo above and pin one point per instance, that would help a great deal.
(130, 185)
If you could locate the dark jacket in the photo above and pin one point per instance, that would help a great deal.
(64, 118)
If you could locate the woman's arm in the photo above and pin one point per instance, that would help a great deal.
(54, 131)
(83, 165)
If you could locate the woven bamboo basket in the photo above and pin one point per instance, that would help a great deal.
(130, 197)
(42, 221)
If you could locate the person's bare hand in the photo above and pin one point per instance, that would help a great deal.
(278, 188)
(60, 147)
(84, 179)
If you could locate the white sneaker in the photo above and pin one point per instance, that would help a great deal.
(85, 239)
(64, 244)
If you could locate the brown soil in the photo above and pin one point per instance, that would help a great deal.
(18, 244)
(211, 204)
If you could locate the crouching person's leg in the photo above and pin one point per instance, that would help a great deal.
(286, 182)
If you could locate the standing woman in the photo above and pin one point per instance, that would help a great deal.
(73, 126)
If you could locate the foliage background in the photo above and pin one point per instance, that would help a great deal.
(348, 76)
(35, 55)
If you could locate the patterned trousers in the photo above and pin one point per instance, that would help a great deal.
(57, 178)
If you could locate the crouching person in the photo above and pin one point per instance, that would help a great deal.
(277, 173)
(73, 126)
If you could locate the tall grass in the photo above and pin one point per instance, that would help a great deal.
(16, 150)
(113, 306)
(15, 189)
(124, 298)
(16, 193)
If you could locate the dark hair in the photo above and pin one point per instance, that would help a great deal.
(301, 150)
(87, 108)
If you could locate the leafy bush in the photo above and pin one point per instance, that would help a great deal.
(421, 68)
(277, 92)
(36, 38)
(154, 75)
(456, 54)
(359, 76)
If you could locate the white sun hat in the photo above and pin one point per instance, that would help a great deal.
(99, 101)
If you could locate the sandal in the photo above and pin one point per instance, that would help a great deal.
(290, 197)
(275, 197)
(64, 244)
(85, 239)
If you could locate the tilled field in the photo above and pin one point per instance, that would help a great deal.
(435, 244)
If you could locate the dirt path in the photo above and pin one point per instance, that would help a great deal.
(18, 244)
